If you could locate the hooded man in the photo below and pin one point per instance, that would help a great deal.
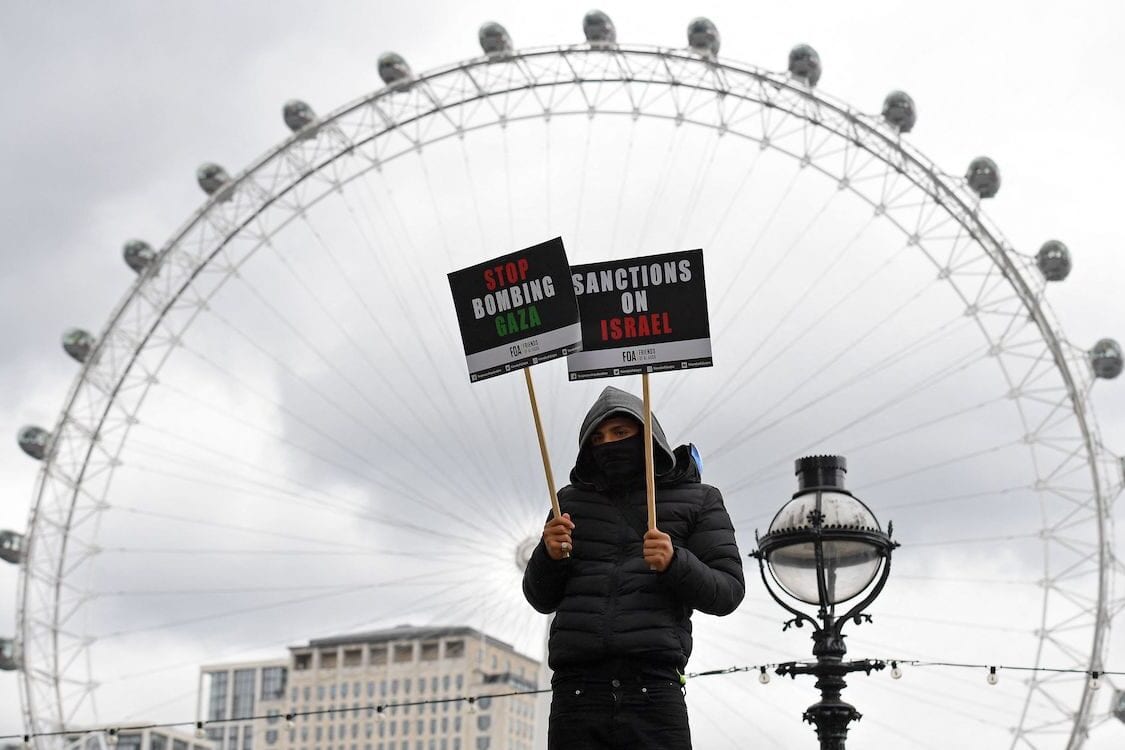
(622, 594)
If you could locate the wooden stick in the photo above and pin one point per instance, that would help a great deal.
(542, 443)
(650, 469)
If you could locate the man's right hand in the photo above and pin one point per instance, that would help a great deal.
(556, 537)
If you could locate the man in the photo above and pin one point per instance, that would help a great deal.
(623, 595)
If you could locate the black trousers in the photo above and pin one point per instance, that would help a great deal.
(627, 713)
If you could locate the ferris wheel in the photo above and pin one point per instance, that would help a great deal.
(273, 438)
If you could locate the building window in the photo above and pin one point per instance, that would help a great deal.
(394, 687)
(484, 723)
(483, 743)
(248, 738)
(370, 690)
(460, 681)
(332, 692)
(378, 655)
(454, 649)
(271, 736)
(242, 706)
(182, 745)
(217, 705)
(214, 734)
(232, 738)
(302, 662)
(328, 659)
(273, 683)
(430, 651)
(157, 741)
(353, 657)
(484, 702)
(320, 692)
(403, 652)
(445, 683)
(129, 740)
(433, 684)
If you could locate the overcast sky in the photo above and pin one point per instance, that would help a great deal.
(110, 108)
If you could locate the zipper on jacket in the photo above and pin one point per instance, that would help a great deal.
(623, 527)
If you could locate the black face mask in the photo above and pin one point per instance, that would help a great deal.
(622, 461)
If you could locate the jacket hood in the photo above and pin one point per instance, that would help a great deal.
(670, 465)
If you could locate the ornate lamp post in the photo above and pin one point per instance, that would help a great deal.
(825, 548)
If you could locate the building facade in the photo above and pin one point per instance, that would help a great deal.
(403, 688)
(238, 692)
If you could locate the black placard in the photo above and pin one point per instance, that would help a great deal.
(644, 314)
(516, 310)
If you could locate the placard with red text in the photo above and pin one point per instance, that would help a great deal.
(516, 310)
(641, 315)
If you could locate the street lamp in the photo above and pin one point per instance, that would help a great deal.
(825, 548)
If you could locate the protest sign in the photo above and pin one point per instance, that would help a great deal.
(641, 315)
(516, 310)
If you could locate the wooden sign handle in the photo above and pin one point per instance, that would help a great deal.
(542, 443)
(650, 470)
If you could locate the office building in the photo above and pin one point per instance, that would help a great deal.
(403, 688)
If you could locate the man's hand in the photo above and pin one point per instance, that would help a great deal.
(658, 550)
(556, 536)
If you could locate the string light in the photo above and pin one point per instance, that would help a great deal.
(1095, 679)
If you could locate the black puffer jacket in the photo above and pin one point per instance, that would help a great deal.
(608, 604)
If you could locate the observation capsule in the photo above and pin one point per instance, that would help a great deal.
(78, 344)
(393, 69)
(983, 177)
(8, 660)
(1105, 358)
(139, 255)
(899, 111)
(494, 39)
(703, 37)
(598, 28)
(11, 546)
(212, 178)
(804, 64)
(1053, 260)
(34, 441)
(297, 115)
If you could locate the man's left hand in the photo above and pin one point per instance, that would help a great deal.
(658, 550)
